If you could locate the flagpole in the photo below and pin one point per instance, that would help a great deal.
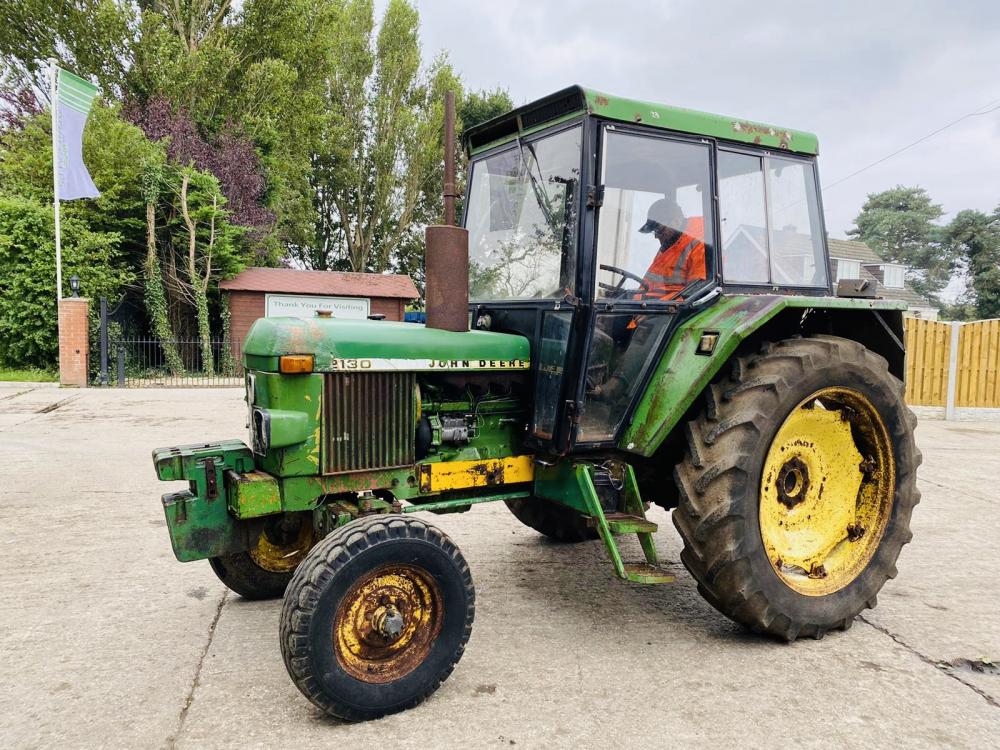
(54, 74)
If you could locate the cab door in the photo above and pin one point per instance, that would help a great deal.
(629, 322)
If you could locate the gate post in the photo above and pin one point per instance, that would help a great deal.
(74, 344)
(104, 340)
(949, 405)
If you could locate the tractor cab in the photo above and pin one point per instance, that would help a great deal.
(596, 225)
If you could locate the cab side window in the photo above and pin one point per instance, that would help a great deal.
(771, 229)
(743, 218)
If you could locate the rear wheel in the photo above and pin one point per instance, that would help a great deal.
(377, 616)
(557, 522)
(264, 571)
(797, 487)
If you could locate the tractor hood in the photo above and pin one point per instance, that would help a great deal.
(367, 345)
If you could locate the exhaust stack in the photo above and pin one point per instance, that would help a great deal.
(446, 263)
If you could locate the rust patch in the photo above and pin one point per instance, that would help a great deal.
(602, 101)
(387, 622)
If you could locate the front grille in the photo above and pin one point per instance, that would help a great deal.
(368, 421)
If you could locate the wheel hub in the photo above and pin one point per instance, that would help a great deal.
(284, 543)
(826, 491)
(793, 482)
(386, 623)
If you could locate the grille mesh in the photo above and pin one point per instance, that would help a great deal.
(368, 421)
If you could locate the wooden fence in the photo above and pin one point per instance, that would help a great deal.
(953, 364)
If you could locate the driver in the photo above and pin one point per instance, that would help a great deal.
(681, 257)
(679, 261)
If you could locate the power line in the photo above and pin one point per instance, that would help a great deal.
(994, 106)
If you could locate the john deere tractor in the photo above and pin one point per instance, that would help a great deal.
(638, 308)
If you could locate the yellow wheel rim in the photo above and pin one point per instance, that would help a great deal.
(826, 491)
(385, 625)
(282, 552)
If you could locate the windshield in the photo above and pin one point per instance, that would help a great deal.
(521, 218)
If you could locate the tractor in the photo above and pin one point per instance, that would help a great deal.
(638, 308)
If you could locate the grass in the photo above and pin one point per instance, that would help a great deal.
(29, 376)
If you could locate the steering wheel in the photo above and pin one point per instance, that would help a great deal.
(618, 290)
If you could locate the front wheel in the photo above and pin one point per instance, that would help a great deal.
(797, 487)
(377, 617)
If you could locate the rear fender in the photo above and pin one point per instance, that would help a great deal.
(683, 373)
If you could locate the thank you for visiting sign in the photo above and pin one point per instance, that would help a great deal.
(303, 306)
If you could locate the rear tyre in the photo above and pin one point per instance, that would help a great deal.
(264, 571)
(797, 486)
(557, 522)
(377, 617)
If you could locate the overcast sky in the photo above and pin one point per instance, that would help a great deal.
(867, 76)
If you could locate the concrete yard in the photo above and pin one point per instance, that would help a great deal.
(107, 641)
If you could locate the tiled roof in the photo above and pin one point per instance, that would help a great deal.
(853, 250)
(292, 281)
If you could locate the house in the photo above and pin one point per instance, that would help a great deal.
(744, 256)
(267, 292)
(850, 259)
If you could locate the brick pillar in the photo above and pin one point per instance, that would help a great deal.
(74, 341)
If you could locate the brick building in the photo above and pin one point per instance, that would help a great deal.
(270, 292)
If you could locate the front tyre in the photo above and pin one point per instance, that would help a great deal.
(377, 617)
(797, 487)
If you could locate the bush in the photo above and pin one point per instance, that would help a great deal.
(28, 318)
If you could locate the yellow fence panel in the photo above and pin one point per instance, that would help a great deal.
(978, 364)
(927, 348)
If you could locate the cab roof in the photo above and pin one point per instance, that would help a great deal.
(576, 100)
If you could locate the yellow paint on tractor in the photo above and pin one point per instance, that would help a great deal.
(284, 558)
(458, 475)
(826, 491)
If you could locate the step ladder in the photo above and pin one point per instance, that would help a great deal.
(629, 519)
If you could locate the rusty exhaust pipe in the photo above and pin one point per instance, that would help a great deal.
(446, 263)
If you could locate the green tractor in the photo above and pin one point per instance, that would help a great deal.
(639, 309)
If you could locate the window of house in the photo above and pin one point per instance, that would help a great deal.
(847, 269)
(893, 276)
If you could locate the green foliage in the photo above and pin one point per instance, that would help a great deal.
(28, 376)
(974, 237)
(480, 106)
(380, 150)
(91, 37)
(115, 153)
(898, 224)
(27, 273)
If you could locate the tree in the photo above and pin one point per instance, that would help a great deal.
(471, 109)
(382, 143)
(898, 224)
(974, 237)
(28, 270)
(94, 38)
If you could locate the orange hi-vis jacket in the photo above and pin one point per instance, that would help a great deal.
(676, 266)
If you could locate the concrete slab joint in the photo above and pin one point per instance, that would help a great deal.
(74, 342)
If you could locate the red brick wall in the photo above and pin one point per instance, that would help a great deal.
(74, 343)
(246, 307)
